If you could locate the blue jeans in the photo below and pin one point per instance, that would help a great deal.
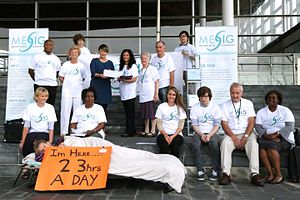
(162, 94)
(214, 146)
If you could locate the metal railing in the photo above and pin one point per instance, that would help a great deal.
(253, 69)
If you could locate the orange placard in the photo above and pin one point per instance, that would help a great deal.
(74, 168)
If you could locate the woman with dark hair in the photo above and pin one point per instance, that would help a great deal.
(89, 119)
(275, 126)
(128, 83)
(170, 117)
(79, 41)
(100, 82)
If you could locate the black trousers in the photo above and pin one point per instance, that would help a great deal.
(173, 148)
(51, 91)
(129, 107)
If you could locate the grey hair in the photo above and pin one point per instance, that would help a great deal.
(147, 54)
(235, 84)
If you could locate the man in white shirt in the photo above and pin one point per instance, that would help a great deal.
(44, 70)
(188, 51)
(238, 123)
(166, 69)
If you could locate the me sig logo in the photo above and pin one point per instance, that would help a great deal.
(213, 42)
(26, 42)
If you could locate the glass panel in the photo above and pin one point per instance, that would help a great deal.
(49, 10)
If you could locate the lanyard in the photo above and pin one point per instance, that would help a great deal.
(143, 75)
(237, 112)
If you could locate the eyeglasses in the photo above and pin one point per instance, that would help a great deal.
(204, 96)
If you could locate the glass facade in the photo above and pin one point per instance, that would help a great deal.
(132, 23)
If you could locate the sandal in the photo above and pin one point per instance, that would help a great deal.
(150, 134)
(143, 134)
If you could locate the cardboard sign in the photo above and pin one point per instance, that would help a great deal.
(74, 168)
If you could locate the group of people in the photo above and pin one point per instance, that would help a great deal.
(274, 124)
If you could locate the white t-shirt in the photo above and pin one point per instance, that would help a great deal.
(128, 90)
(88, 118)
(170, 116)
(84, 51)
(45, 69)
(39, 117)
(237, 115)
(164, 65)
(73, 79)
(188, 62)
(274, 121)
(146, 83)
(205, 116)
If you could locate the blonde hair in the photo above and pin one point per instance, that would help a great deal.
(39, 91)
(74, 48)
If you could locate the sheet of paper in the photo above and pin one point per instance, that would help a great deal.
(111, 73)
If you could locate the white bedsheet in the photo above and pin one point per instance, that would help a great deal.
(137, 163)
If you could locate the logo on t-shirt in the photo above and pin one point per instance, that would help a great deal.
(40, 118)
(159, 65)
(205, 118)
(173, 116)
(89, 116)
(274, 120)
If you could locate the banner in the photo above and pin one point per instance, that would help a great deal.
(23, 44)
(74, 168)
(218, 49)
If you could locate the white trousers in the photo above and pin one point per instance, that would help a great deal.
(251, 148)
(66, 106)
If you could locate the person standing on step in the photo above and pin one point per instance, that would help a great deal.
(148, 93)
(206, 120)
(166, 69)
(44, 70)
(128, 84)
(238, 123)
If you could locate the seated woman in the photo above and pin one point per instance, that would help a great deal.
(131, 162)
(274, 125)
(89, 119)
(39, 118)
(170, 117)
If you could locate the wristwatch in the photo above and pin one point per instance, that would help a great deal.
(246, 135)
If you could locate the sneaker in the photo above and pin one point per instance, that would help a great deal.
(200, 175)
(213, 176)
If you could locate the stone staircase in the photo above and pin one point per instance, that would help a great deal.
(10, 158)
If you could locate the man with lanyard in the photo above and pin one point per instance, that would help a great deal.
(188, 51)
(238, 123)
(166, 69)
(44, 70)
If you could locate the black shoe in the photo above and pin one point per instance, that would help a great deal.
(167, 188)
(225, 179)
(257, 181)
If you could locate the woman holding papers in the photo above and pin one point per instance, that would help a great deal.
(128, 82)
(89, 119)
(100, 82)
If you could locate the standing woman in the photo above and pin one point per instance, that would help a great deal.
(39, 118)
(170, 117)
(71, 75)
(128, 85)
(100, 82)
(79, 41)
(148, 83)
(274, 125)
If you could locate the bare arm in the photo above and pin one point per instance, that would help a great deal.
(172, 78)
(61, 78)
(31, 73)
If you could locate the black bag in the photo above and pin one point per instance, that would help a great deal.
(294, 164)
(13, 130)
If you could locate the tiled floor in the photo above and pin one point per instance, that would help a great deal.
(133, 189)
